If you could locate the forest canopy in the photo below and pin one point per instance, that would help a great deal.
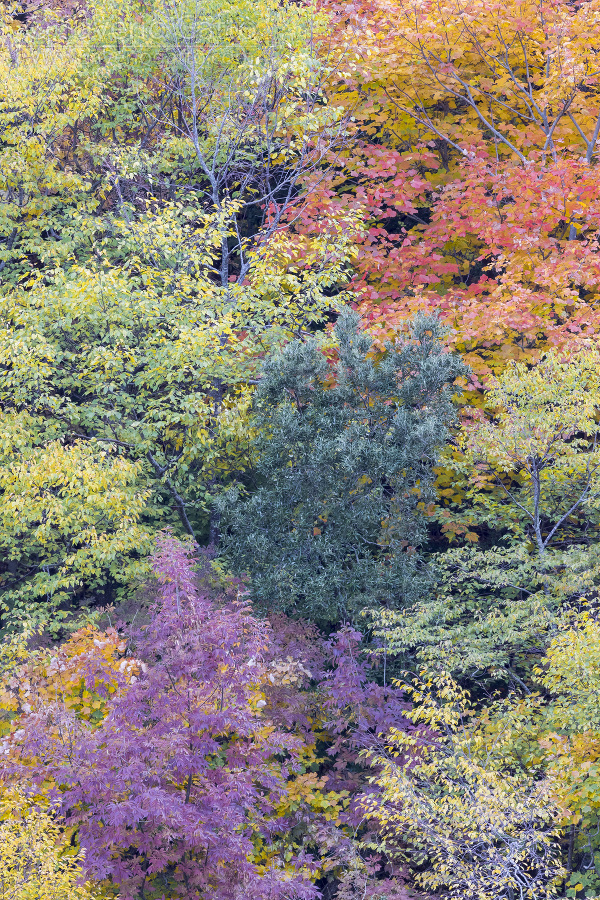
(299, 463)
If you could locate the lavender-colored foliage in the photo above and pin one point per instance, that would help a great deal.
(173, 789)
(172, 792)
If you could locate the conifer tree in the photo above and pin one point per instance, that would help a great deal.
(344, 472)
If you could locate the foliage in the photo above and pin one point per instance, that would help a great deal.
(540, 451)
(173, 786)
(529, 472)
(252, 105)
(546, 737)
(343, 473)
(70, 515)
(122, 103)
(71, 729)
(35, 861)
(569, 723)
(52, 95)
(148, 153)
(554, 734)
(144, 361)
(489, 617)
(472, 161)
(482, 831)
(325, 692)
(186, 189)
(79, 676)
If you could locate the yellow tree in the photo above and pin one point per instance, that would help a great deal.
(519, 74)
(539, 447)
(36, 860)
(70, 516)
(127, 102)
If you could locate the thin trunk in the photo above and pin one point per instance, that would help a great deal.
(535, 478)
(179, 501)
(570, 852)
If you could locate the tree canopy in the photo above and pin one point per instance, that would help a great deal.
(299, 465)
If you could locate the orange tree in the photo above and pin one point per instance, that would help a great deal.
(474, 165)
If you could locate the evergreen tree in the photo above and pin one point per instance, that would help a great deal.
(344, 473)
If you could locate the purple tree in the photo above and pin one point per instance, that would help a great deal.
(173, 791)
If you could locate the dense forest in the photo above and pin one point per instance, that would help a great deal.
(299, 449)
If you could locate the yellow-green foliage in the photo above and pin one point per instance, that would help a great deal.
(570, 727)
(135, 382)
(68, 512)
(36, 859)
(97, 105)
(531, 475)
(538, 452)
(485, 830)
(136, 300)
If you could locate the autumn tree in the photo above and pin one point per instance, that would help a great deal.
(187, 751)
(70, 515)
(169, 787)
(472, 827)
(121, 104)
(552, 735)
(539, 450)
(473, 163)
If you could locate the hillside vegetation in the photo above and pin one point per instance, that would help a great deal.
(299, 449)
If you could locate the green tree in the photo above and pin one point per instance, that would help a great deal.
(140, 374)
(245, 98)
(136, 102)
(343, 473)
(531, 473)
(536, 457)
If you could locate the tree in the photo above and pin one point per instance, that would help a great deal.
(173, 785)
(498, 71)
(473, 828)
(344, 471)
(312, 702)
(247, 91)
(530, 473)
(70, 518)
(139, 374)
(52, 95)
(36, 863)
(487, 616)
(569, 733)
(553, 734)
(137, 356)
(472, 161)
(541, 451)
(132, 102)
